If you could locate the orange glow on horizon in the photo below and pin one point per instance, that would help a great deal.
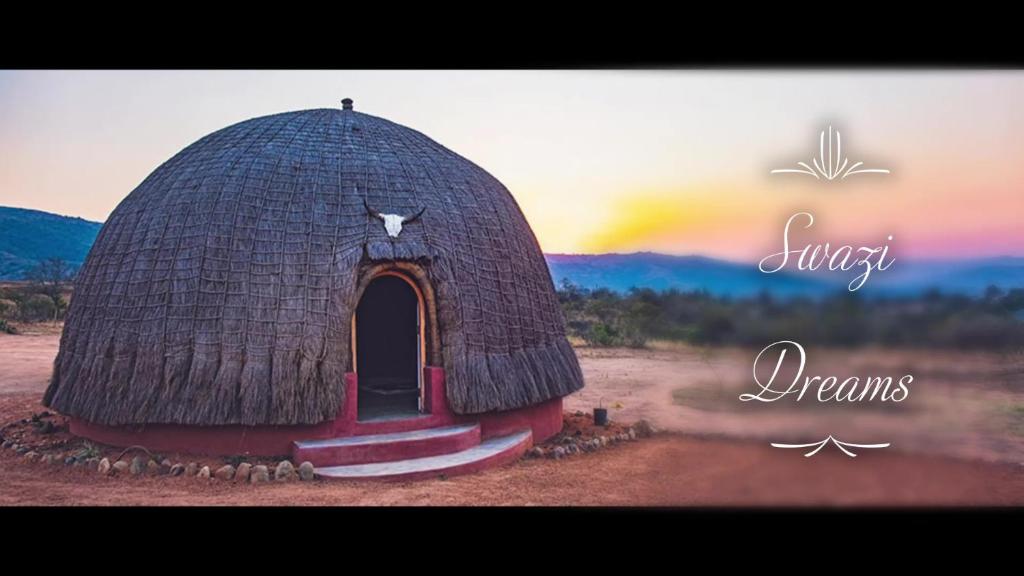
(599, 161)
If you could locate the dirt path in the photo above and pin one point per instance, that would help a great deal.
(26, 362)
(668, 470)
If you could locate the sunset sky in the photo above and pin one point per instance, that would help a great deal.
(600, 161)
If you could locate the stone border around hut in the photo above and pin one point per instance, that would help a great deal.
(245, 472)
(580, 434)
(137, 461)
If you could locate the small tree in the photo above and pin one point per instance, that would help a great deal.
(49, 277)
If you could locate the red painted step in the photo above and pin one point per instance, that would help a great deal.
(489, 453)
(367, 449)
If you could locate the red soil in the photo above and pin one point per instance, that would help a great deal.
(666, 470)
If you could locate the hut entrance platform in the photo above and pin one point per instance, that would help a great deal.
(388, 399)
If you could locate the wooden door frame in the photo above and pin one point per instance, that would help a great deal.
(416, 277)
(420, 311)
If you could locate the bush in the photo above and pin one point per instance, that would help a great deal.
(601, 335)
(8, 309)
(993, 321)
(37, 308)
(603, 318)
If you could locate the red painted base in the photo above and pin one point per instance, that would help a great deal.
(544, 420)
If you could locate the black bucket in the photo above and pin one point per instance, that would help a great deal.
(600, 416)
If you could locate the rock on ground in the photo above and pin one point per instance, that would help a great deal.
(243, 471)
(138, 466)
(285, 471)
(306, 471)
(225, 473)
(259, 474)
(645, 429)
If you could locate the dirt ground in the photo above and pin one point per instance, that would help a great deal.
(728, 463)
(660, 471)
(965, 405)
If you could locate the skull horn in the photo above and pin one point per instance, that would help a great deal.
(371, 211)
(407, 219)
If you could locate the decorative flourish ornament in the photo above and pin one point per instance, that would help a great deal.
(819, 445)
(830, 163)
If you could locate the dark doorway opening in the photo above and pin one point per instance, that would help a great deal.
(388, 349)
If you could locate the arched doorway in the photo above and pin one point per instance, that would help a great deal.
(388, 348)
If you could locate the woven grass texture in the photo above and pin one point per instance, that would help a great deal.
(221, 290)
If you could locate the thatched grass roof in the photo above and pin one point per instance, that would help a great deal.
(220, 291)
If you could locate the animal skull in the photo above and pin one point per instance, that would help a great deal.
(392, 222)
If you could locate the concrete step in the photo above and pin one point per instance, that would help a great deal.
(372, 448)
(491, 452)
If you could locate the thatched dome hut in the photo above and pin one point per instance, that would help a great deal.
(223, 291)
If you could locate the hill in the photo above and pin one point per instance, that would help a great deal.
(30, 236)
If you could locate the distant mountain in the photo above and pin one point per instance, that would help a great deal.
(970, 277)
(29, 236)
(621, 272)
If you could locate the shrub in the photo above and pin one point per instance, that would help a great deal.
(38, 307)
(992, 321)
(8, 309)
